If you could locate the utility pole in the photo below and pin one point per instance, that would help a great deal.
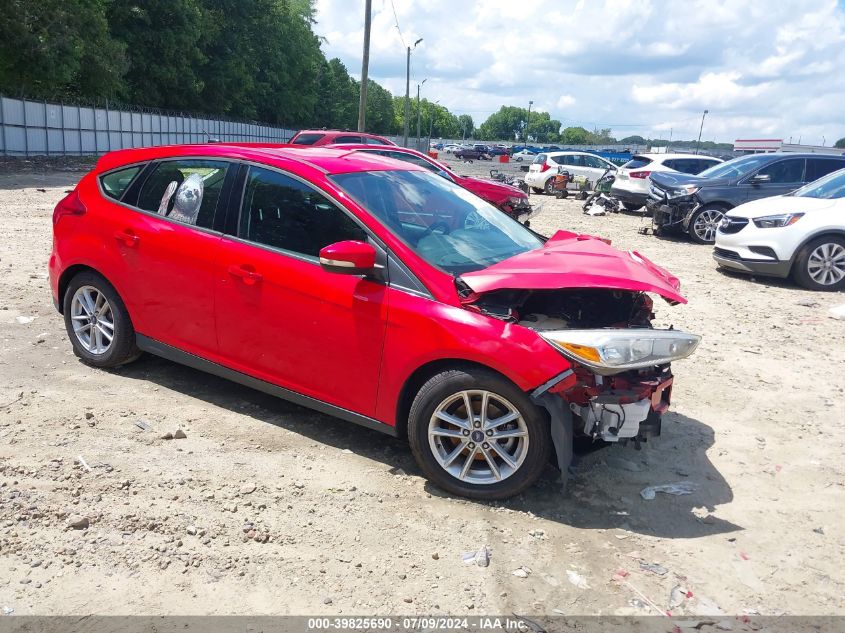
(365, 63)
(698, 142)
(527, 121)
(419, 113)
(408, 92)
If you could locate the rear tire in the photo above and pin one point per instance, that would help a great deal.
(820, 264)
(443, 438)
(549, 187)
(97, 322)
(630, 207)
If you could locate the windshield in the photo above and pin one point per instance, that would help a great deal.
(737, 167)
(443, 223)
(830, 187)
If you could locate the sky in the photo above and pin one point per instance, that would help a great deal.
(763, 69)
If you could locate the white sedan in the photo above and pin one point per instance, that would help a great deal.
(801, 234)
(523, 155)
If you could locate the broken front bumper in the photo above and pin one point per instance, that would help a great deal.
(612, 409)
(672, 214)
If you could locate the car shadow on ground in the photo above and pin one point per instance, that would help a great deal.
(603, 492)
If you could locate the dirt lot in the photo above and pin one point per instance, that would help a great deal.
(268, 508)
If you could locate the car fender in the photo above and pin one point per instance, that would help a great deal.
(838, 231)
(422, 331)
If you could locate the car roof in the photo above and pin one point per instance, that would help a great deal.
(664, 155)
(327, 159)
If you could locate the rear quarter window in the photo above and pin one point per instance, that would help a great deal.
(640, 161)
(116, 183)
(306, 139)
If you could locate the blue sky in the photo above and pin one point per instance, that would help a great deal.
(763, 69)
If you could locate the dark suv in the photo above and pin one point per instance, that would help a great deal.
(696, 204)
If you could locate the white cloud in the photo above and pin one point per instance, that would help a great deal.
(636, 66)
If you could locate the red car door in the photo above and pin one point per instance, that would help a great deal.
(280, 316)
(167, 253)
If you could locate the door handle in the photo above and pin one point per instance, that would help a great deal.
(248, 276)
(127, 237)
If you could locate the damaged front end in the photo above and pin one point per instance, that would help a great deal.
(620, 381)
(672, 209)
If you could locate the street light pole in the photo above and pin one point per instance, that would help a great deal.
(527, 122)
(365, 63)
(418, 112)
(408, 92)
(698, 142)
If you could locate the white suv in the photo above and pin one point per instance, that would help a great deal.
(801, 234)
(631, 184)
(540, 176)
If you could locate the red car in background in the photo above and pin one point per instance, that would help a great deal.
(316, 138)
(511, 200)
(372, 290)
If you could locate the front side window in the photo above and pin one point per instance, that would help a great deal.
(375, 141)
(593, 161)
(186, 191)
(117, 182)
(284, 213)
(784, 171)
(442, 222)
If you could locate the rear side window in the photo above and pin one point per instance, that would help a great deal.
(306, 139)
(374, 141)
(117, 182)
(640, 161)
(184, 190)
(348, 139)
(284, 213)
(818, 167)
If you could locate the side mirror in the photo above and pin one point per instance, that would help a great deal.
(348, 258)
(760, 178)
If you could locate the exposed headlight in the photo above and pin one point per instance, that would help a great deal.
(517, 202)
(686, 190)
(777, 221)
(613, 351)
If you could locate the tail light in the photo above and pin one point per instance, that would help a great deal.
(545, 167)
(642, 175)
(69, 205)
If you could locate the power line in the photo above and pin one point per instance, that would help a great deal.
(396, 19)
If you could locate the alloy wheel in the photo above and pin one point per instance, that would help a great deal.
(93, 320)
(478, 437)
(706, 223)
(826, 264)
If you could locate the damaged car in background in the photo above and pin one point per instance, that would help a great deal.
(696, 204)
(372, 290)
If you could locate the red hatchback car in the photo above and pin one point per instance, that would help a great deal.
(372, 290)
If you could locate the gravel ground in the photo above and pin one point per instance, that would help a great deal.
(268, 508)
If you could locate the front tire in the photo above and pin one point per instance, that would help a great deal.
(703, 224)
(97, 322)
(475, 434)
(820, 264)
(549, 187)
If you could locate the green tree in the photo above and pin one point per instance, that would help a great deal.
(633, 140)
(164, 61)
(575, 136)
(840, 143)
(467, 125)
(55, 49)
(505, 124)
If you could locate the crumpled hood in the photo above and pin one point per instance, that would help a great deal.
(570, 260)
(491, 188)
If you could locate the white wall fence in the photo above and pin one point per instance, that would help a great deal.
(30, 128)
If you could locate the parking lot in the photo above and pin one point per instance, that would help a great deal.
(268, 508)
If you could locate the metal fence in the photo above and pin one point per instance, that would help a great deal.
(30, 128)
